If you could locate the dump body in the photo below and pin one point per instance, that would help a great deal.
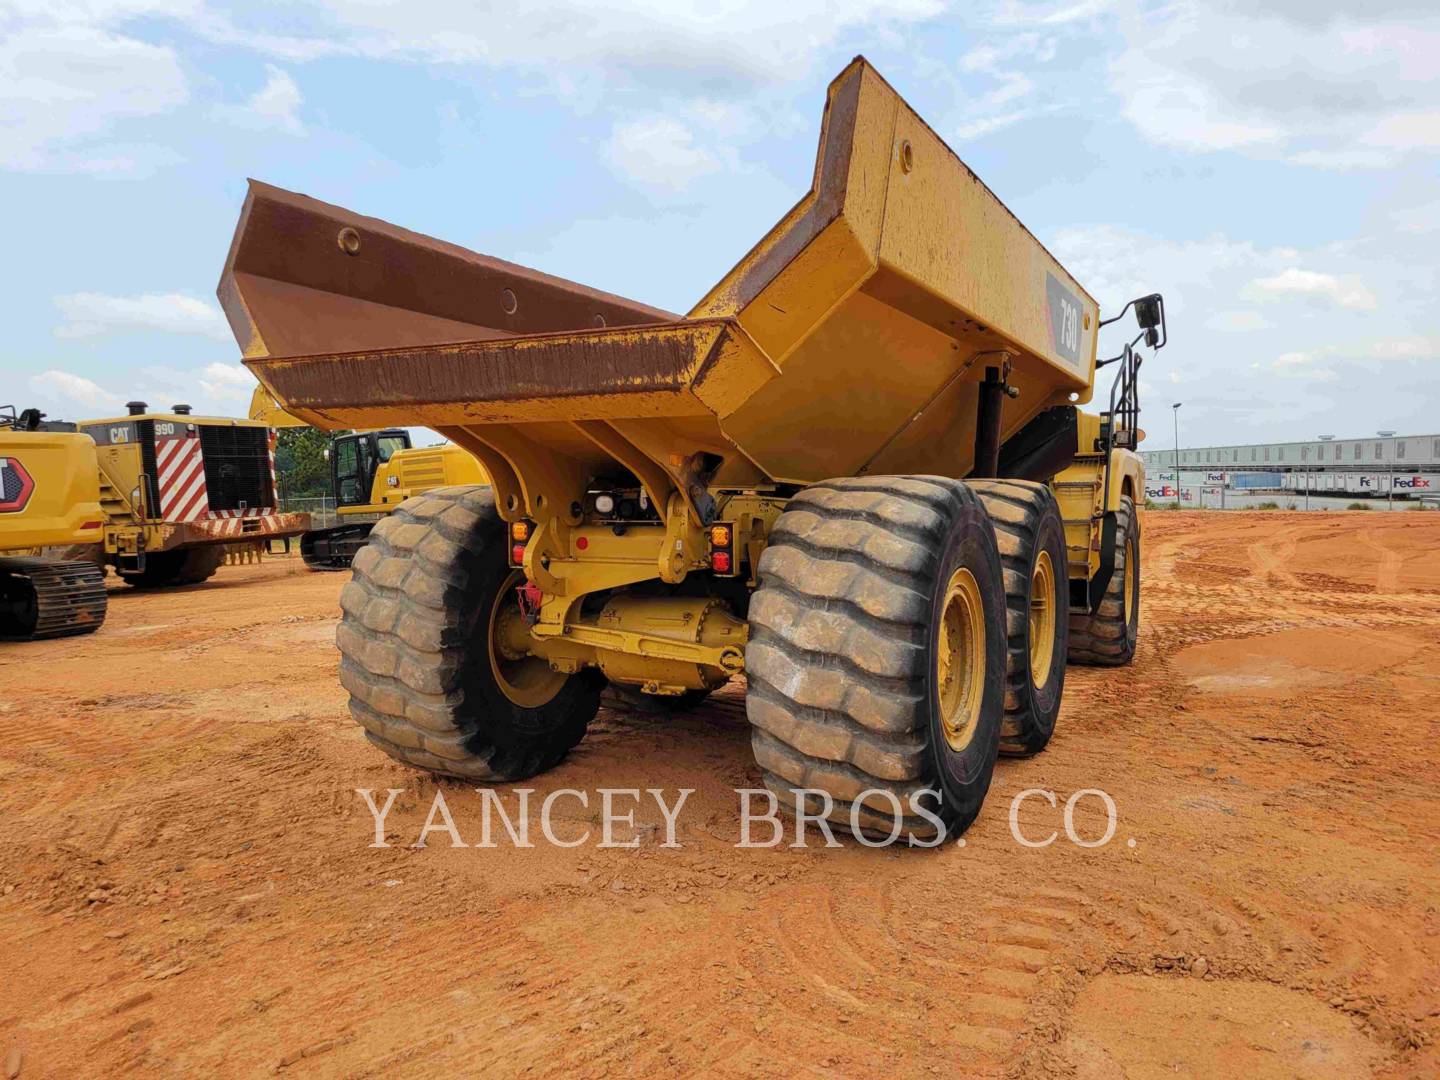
(851, 340)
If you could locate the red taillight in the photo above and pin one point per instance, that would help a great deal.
(92, 524)
(722, 547)
(517, 554)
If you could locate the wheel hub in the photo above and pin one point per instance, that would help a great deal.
(526, 680)
(1132, 580)
(1042, 619)
(960, 659)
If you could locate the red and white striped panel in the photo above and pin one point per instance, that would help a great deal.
(180, 474)
(248, 512)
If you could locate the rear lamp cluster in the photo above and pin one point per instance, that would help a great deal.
(519, 536)
(722, 549)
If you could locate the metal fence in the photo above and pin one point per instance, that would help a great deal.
(321, 509)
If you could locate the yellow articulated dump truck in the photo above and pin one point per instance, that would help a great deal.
(855, 473)
(49, 496)
(371, 473)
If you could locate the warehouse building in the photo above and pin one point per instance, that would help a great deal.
(1403, 451)
(1395, 466)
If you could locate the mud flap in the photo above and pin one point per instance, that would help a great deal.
(1101, 581)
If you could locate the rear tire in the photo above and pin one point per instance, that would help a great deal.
(416, 648)
(876, 665)
(185, 566)
(1107, 638)
(1031, 538)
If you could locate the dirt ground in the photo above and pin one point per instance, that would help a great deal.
(186, 885)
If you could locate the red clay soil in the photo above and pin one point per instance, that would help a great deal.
(186, 885)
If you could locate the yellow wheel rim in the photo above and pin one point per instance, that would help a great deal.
(1042, 619)
(1132, 580)
(960, 659)
(528, 681)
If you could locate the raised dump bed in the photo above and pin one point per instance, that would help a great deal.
(899, 320)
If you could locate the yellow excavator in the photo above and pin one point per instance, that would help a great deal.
(371, 473)
(49, 497)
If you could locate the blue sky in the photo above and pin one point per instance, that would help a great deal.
(1271, 166)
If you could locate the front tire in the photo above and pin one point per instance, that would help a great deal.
(184, 566)
(417, 640)
(1031, 538)
(876, 665)
(1108, 636)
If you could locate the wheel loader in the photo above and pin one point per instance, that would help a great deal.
(49, 496)
(856, 473)
(371, 473)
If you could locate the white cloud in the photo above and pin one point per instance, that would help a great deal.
(1409, 348)
(1344, 160)
(685, 44)
(94, 314)
(227, 382)
(63, 86)
(1346, 292)
(1007, 67)
(1302, 365)
(1236, 321)
(74, 389)
(1173, 108)
(274, 107)
(1049, 13)
(1406, 131)
(659, 152)
(1322, 88)
(1418, 219)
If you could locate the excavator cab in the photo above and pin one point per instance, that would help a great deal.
(354, 460)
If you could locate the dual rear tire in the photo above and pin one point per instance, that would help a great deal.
(891, 654)
(1107, 637)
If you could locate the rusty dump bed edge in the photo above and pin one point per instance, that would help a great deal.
(653, 370)
(304, 276)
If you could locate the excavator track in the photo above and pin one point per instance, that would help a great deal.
(49, 598)
(334, 548)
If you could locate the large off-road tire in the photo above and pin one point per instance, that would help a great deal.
(185, 566)
(1031, 536)
(877, 654)
(1107, 637)
(418, 653)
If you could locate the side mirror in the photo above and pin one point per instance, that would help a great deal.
(1147, 311)
(1150, 314)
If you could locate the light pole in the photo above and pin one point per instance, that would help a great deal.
(1325, 440)
(1389, 476)
(1175, 412)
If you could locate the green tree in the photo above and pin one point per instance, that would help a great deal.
(301, 466)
